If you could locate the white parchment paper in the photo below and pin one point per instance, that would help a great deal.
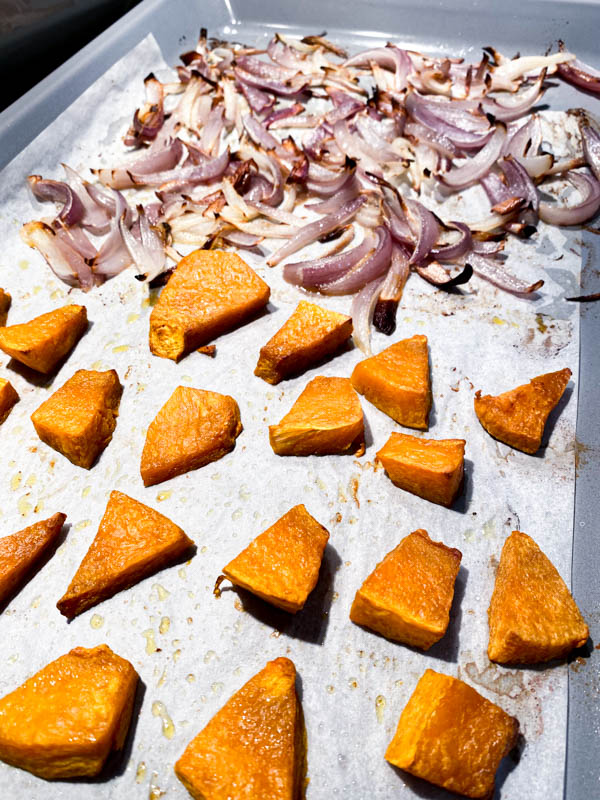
(193, 651)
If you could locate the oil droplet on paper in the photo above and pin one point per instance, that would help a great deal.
(140, 772)
(132, 317)
(15, 481)
(236, 514)
(24, 506)
(353, 683)
(176, 655)
(23, 263)
(190, 678)
(96, 621)
(164, 495)
(83, 524)
(498, 321)
(161, 592)
(155, 792)
(210, 654)
(181, 573)
(36, 601)
(30, 482)
(150, 641)
(120, 348)
(489, 529)
(163, 678)
(164, 626)
(85, 492)
(379, 707)
(159, 710)
(331, 689)
(217, 688)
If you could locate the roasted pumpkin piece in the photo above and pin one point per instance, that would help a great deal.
(429, 468)
(310, 334)
(44, 341)
(133, 541)
(21, 552)
(397, 382)
(78, 420)
(282, 564)
(532, 616)
(5, 301)
(449, 735)
(8, 397)
(518, 417)
(326, 419)
(409, 594)
(210, 292)
(65, 720)
(193, 428)
(255, 746)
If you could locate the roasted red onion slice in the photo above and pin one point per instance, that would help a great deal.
(64, 261)
(392, 287)
(591, 148)
(513, 106)
(185, 176)
(373, 265)
(476, 167)
(72, 209)
(425, 227)
(147, 251)
(495, 272)
(292, 86)
(314, 230)
(94, 218)
(113, 257)
(77, 239)
(458, 248)
(519, 184)
(152, 162)
(148, 121)
(390, 57)
(581, 76)
(589, 188)
(362, 311)
(437, 275)
(313, 274)
(258, 100)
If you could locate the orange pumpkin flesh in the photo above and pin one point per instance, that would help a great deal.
(44, 341)
(254, 747)
(282, 564)
(397, 382)
(133, 541)
(429, 468)
(310, 334)
(210, 292)
(65, 720)
(193, 428)
(326, 419)
(8, 397)
(532, 616)
(78, 420)
(451, 736)
(408, 595)
(21, 552)
(5, 301)
(518, 417)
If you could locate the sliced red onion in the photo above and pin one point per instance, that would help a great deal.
(488, 247)
(477, 166)
(392, 287)
(284, 114)
(148, 121)
(457, 249)
(76, 238)
(211, 132)
(240, 239)
(372, 266)
(263, 69)
(390, 57)
(514, 106)
(66, 263)
(495, 272)
(348, 191)
(280, 53)
(185, 176)
(94, 218)
(59, 192)
(362, 310)
(147, 252)
(159, 161)
(589, 188)
(581, 75)
(519, 184)
(328, 186)
(289, 88)
(258, 100)
(462, 115)
(110, 200)
(421, 111)
(425, 227)
(113, 256)
(313, 274)
(314, 230)
(438, 141)
(506, 75)
(591, 148)
(437, 275)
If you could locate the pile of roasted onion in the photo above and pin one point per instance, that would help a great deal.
(362, 137)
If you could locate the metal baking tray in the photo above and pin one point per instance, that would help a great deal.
(457, 27)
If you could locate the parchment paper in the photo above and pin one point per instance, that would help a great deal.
(193, 651)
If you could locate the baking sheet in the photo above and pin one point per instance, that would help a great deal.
(191, 650)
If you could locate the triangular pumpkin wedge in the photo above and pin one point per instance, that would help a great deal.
(193, 428)
(64, 721)
(397, 382)
(532, 616)
(518, 417)
(43, 342)
(310, 334)
(254, 747)
(8, 397)
(133, 541)
(21, 552)
(210, 292)
(282, 564)
(326, 419)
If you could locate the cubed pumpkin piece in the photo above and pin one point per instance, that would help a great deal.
(5, 300)
(408, 596)
(133, 541)
(254, 747)
(451, 736)
(397, 382)
(44, 341)
(518, 417)
(65, 720)
(210, 292)
(282, 564)
(21, 552)
(429, 468)
(193, 428)
(326, 419)
(310, 334)
(532, 616)
(8, 397)
(78, 420)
